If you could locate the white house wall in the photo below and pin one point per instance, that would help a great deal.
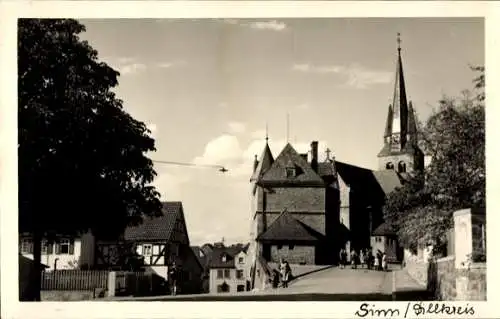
(62, 261)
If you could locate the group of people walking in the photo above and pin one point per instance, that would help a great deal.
(364, 258)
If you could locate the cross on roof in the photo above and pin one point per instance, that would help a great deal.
(328, 151)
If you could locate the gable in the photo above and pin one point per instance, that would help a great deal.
(289, 158)
(180, 233)
(156, 228)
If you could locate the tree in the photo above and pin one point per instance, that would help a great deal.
(82, 158)
(421, 210)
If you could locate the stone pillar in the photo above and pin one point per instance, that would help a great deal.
(111, 283)
(463, 237)
(467, 240)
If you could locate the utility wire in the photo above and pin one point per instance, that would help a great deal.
(222, 168)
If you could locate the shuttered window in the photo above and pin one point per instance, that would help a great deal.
(65, 247)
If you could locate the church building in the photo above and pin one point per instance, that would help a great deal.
(305, 210)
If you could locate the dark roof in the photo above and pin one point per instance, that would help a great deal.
(200, 255)
(388, 180)
(156, 228)
(217, 255)
(385, 229)
(25, 262)
(265, 162)
(287, 228)
(290, 158)
(236, 249)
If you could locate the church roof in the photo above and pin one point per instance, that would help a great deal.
(290, 158)
(388, 180)
(385, 229)
(375, 183)
(287, 228)
(265, 162)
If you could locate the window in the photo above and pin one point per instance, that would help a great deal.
(291, 247)
(389, 166)
(27, 246)
(239, 274)
(240, 260)
(219, 273)
(227, 273)
(46, 247)
(224, 258)
(64, 246)
(258, 272)
(290, 172)
(147, 250)
(240, 288)
(402, 167)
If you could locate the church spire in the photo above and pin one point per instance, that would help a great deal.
(265, 162)
(399, 102)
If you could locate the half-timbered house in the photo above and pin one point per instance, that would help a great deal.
(159, 241)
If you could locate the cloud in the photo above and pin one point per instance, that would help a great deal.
(220, 151)
(132, 68)
(165, 65)
(237, 127)
(355, 75)
(268, 25)
(169, 64)
(153, 128)
(259, 25)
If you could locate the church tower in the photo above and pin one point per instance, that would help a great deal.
(401, 151)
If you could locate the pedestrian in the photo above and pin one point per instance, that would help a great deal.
(376, 262)
(370, 258)
(342, 258)
(379, 260)
(362, 259)
(354, 259)
(276, 278)
(384, 262)
(285, 273)
(173, 274)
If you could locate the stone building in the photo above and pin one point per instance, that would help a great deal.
(306, 211)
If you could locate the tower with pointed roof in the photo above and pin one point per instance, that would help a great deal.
(400, 151)
(295, 211)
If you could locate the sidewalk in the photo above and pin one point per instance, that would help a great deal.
(405, 288)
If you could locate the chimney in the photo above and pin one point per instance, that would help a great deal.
(314, 155)
(255, 163)
(304, 156)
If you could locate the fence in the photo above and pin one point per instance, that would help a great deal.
(74, 280)
(138, 284)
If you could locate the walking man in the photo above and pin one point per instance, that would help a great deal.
(173, 274)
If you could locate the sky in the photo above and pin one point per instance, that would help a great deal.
(207, 88)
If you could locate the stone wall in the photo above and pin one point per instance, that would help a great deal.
(297, 255)
(65, 295)
(295, 199)
(416, 268)
(456, 277)
(471, 283)
(442, 278)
